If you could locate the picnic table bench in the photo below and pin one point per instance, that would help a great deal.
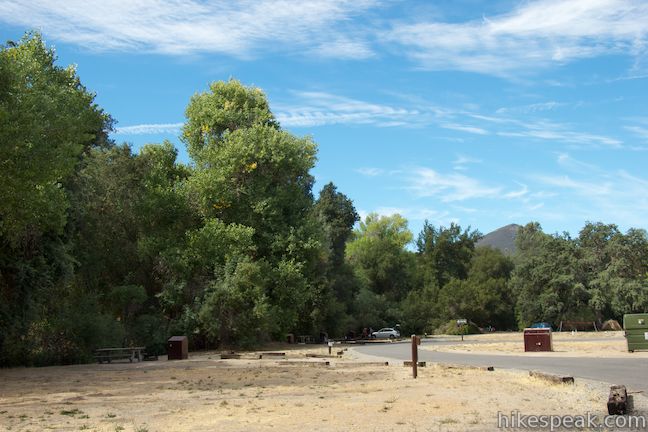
(108, 354)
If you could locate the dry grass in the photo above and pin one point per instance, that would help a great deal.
(205, 394)
(581, 344)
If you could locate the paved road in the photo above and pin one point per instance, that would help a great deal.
(631, 372)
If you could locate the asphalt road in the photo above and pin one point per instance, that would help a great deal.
(631, 372)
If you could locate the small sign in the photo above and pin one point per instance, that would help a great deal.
(646, 335)
(462, 321)
(330, 343)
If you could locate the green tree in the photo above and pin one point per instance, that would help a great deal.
(338, 215)
(252, 175)
(235, 307)
(226, 107)
(104, 222)
(546, 280)
(445, 253)
(379, 256)
(47, 119)
(483, 297)
(628, 272)
(258, 177)
(335, 216)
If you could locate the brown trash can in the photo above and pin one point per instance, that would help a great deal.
(178, 348)
(290, 338)
(537, 339)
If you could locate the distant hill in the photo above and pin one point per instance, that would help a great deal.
(502, 239)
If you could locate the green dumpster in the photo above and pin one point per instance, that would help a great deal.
(636, 331)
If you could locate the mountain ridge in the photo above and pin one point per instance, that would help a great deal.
(502, 238)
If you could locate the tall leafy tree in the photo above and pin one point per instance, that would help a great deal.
(335, 215)
(484, 296)
(47, 120)
(226, 107)
(445, 253)
(251, 174)
(594, 260)
(379, 256)
(546, 280)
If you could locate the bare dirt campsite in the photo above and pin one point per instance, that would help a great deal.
(207, 393)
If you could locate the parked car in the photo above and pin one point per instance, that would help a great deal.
(386, 333)
(541, 325)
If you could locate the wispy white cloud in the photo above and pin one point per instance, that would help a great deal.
(517, 193)
(181, 27)
(583, 187)
(321, 108)
(566, 161)
(535, 35)
(311, 109)
(551, 131)
(462, 162)
(536, 206)
(587, 191)
(345, 48)
(629, 77)
(150, 129)
(426, 182)
(640, 131)
(465, 128)
(532, 108)
(370, 172)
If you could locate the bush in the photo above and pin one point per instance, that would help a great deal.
(451, 328)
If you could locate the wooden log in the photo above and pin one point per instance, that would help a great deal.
(618, 400)
(304, 363)
(321, 356)
(408, 363)
(230, 356)
(272, 354)
(556, 379)
(464, 367)
(355, 364)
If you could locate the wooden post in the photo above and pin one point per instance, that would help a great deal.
(414, 356)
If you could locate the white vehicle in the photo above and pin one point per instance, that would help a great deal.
(386, 333)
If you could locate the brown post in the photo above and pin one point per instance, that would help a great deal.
(414, 356)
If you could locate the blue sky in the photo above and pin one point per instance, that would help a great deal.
(483, 113)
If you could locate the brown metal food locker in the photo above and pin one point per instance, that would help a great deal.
(178, 348)
(537, 339)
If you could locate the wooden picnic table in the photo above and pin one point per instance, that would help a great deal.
(108, 354)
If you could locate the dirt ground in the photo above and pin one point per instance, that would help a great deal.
(206, 393)
(581, 344)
